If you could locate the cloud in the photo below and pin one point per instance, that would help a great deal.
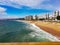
(2, 11)
(33, 4)
(9, 3)
(4, 15)
(12, 16)
(19, 3)
(30, 3)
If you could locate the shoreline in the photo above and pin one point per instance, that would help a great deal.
(48, 35)
(50, 30)
(44, 29)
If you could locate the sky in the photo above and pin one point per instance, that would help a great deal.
(21, 8)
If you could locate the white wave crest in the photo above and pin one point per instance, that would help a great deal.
(42, 33)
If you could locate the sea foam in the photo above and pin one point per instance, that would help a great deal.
(44, 34)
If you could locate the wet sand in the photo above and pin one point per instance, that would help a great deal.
(50, 27)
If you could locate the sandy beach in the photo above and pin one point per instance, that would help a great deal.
(50, 27)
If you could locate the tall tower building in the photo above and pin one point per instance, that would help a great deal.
(56, 13)
(47, 16)
(36, 17)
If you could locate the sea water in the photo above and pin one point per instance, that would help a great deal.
(14, 31)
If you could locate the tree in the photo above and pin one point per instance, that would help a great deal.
(58, 17)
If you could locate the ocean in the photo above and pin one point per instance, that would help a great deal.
(15, 31)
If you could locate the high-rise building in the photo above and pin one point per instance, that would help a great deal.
(29, 18)
(47, 16)
(36, 17)
(56, 13)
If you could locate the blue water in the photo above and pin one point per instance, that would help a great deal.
(14, 31)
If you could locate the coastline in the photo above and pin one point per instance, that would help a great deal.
(48, 35)
(51, 36)
(50, 30)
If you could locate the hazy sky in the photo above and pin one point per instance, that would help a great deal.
(21, 8)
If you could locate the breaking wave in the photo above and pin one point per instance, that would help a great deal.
(14, 31)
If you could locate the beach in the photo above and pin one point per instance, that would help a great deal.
(50, 27)
(39, 29)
